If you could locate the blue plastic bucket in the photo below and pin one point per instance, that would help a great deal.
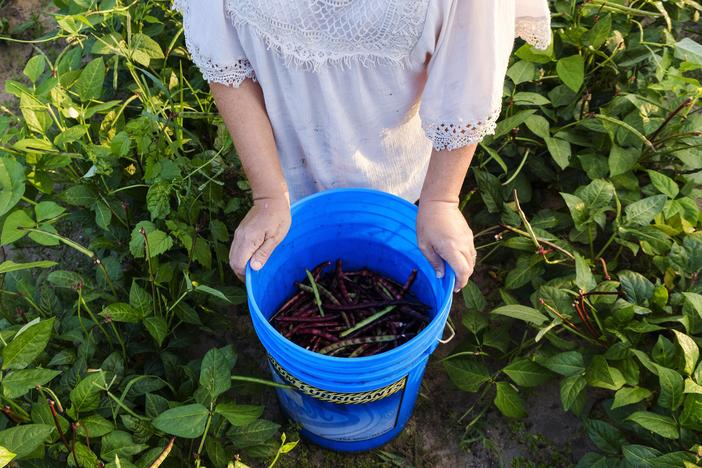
(349, 404)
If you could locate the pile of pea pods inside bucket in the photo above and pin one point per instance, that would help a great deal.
(349, 311)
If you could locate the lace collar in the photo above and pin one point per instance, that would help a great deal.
(311, 33)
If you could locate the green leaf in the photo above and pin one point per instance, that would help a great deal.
(83, 454)
(27, 346)
(215, 373)
(122, 312)
(578, 210)
(598, 195)
(675, 460)
(584, 279)
(526, 98)
(158, 200)
(183, 421)
(571, 70)
(691, 352)
(12, 181)
(473, 298)
(643, 211)
(212, 292)
(560, 151)
(599, 33)
(639, 455)
(19, 382)
(664, 184)
(520, 312)
(94, 426)
(103, 215)
(12, 227)
(9, 265)
(539, 126)
(600, 374)
(622, 160)
(605, 436)
(637, 288)
(89, 84)
(143, 49)
(254, 433)
(157, 328)
(691, 416)
(689, 51)
(508, 401)
(527, 373)
(140, 298)
(672, 387)
(630, 395)
(86, 395)
(6, 456)
(47, 210)
(239, 415)
(695, 301)
(25, 439)
(664, 426)
(571, 387)
(521, 72)
(466, 373)
(120, 444)
(567, 363)
(35, 67)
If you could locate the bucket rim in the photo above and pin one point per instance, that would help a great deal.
(445, 300)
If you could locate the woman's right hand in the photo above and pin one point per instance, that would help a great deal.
(261, 230)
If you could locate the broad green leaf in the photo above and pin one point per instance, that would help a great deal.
(48, 210)
(599, 33)
(34, 68)
(688, 50)
(637, 288)
(643, 211)
(605, 436)
(584, 279)
(215, 373)
(17, 383)
(508, 401)
(143, 49)
(466, 373)
(506, 125)
(94, 426)
(212, 292)
(691, 416)
(527, 373)
(571, 70)
(9, 265)
(560, 151)
(527, 268)
(473, 298)
(85, 397)
(695, 301)
(157, 328)
(577, 208)
(122, 312)
(568, 363)
(571, 387)
(65, 279)
(521, 72)
(691, 352)
(24, 439)
(675, 460)
(25, 348)
(622, 160)
(254, 433)
(83, 454)
(490, 190)
(600, 374)
(89, 85)
(672, 387)
(692, 387)
(630, 395)
(158, 200)
(12, 228)
(664, 426)
(664, 184)
(639, 455)
(103, 215)
(239, 415)
(12, 181)
(140, 299)
(183, 421)
(520, 312)
(539, 126)
(526, 98)
(597, 194)
(120, 444)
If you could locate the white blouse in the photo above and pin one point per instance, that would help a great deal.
(359, 91)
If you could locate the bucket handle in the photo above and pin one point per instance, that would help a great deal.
(453, 334)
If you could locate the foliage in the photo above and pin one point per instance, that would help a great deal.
(590, 189)
(117, 161)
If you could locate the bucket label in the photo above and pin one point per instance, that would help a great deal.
(346, 417)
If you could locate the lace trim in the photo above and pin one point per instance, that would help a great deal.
(231, 74)
(457, 134)
(313, 46)
(535, 31)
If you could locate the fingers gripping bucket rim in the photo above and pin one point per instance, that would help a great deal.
(349, 404)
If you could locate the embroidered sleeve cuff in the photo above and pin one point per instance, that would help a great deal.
(451, 135)
(535, 31)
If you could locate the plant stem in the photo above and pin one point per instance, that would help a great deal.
(541, 240)
(97, 322)
(204, 436)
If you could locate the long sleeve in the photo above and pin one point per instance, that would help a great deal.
(213, 43)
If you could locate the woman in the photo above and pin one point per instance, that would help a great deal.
(392, 95)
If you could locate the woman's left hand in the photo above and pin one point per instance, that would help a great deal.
(444, 234)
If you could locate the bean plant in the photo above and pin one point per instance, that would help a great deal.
(586, 203)
(114, 157)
